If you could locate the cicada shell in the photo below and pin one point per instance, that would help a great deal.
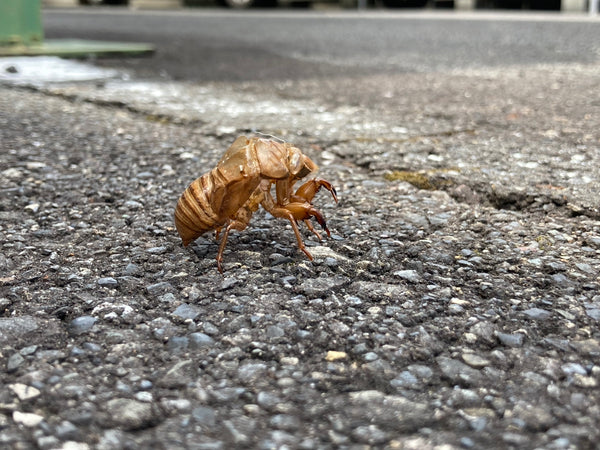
(226, 197)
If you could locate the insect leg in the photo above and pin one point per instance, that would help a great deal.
(304, 211)
(283, 212)
(309, 189)
(233, 225)
(239, 222)
(311, 228)
(222, 247)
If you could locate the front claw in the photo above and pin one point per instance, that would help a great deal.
(308, 190)
(304, 211)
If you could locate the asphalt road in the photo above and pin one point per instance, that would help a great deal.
(208, 45)
(455, 305)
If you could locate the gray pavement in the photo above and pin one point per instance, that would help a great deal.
(219, 45)
(455, 306)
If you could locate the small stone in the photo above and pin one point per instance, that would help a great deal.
(370, 434)
(273, 331)
(199, 340)
(323, 285)
(515, 439)
(32, 207)
(475, 361)
(511, 340)
(408, 275)
(251, 372)
(48, 443)
(333, 355)
(92, 347)
(573, 368)
(406, 380)
(587, 347)
(107, 282)
(485, 331)
(267, 400)
(144, 396)
(29, 350)
(467, 442)
(14, 362)
(132, 204)
(178, 344)
(23, 391)
(370, 356)
(159, 288)
(537, 313)
(324, 252)
(169, 297)
(289, 361)
(67, 431)
(145, 384)
(593, 313)
(81, 325)
(187, 311)
(228, 394)
(129, 414)
(285, 422)
(204, 416)
(13, 173)
(111, 439)
(210, 328)
(172, 405)
(131, 269)
(331, 262)
(458, 372)
(584, 381)
(424, 373)
(27, 419)
(536, 418)
(366, 396)
(156, 250)
(455, 309)
(12, 328)
(228, 283)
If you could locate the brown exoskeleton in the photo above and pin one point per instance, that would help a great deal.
(226, 197)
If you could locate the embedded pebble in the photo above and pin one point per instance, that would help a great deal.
(27, 419)
(107, 282)
(14, 362)
(408, 275)
(23, 391)
(511, 340)
(475, 361)
(537, 313)
(459, 373)
(199, 340)
(81, 325)
(187, 311)
(129, 414)
(333, 355)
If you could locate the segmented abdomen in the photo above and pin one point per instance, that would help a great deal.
(194, 214)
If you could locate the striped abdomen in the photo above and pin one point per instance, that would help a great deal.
(195, 214)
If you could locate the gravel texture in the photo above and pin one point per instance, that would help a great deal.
(457, 307)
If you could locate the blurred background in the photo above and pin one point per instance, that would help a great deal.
(550, 5)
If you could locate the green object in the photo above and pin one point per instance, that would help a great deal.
(75, 48)
(20, 22)
(22, 34)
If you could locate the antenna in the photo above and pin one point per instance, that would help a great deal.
(271, 136)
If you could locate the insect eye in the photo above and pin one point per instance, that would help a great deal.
(294, 159)
(299, 165)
